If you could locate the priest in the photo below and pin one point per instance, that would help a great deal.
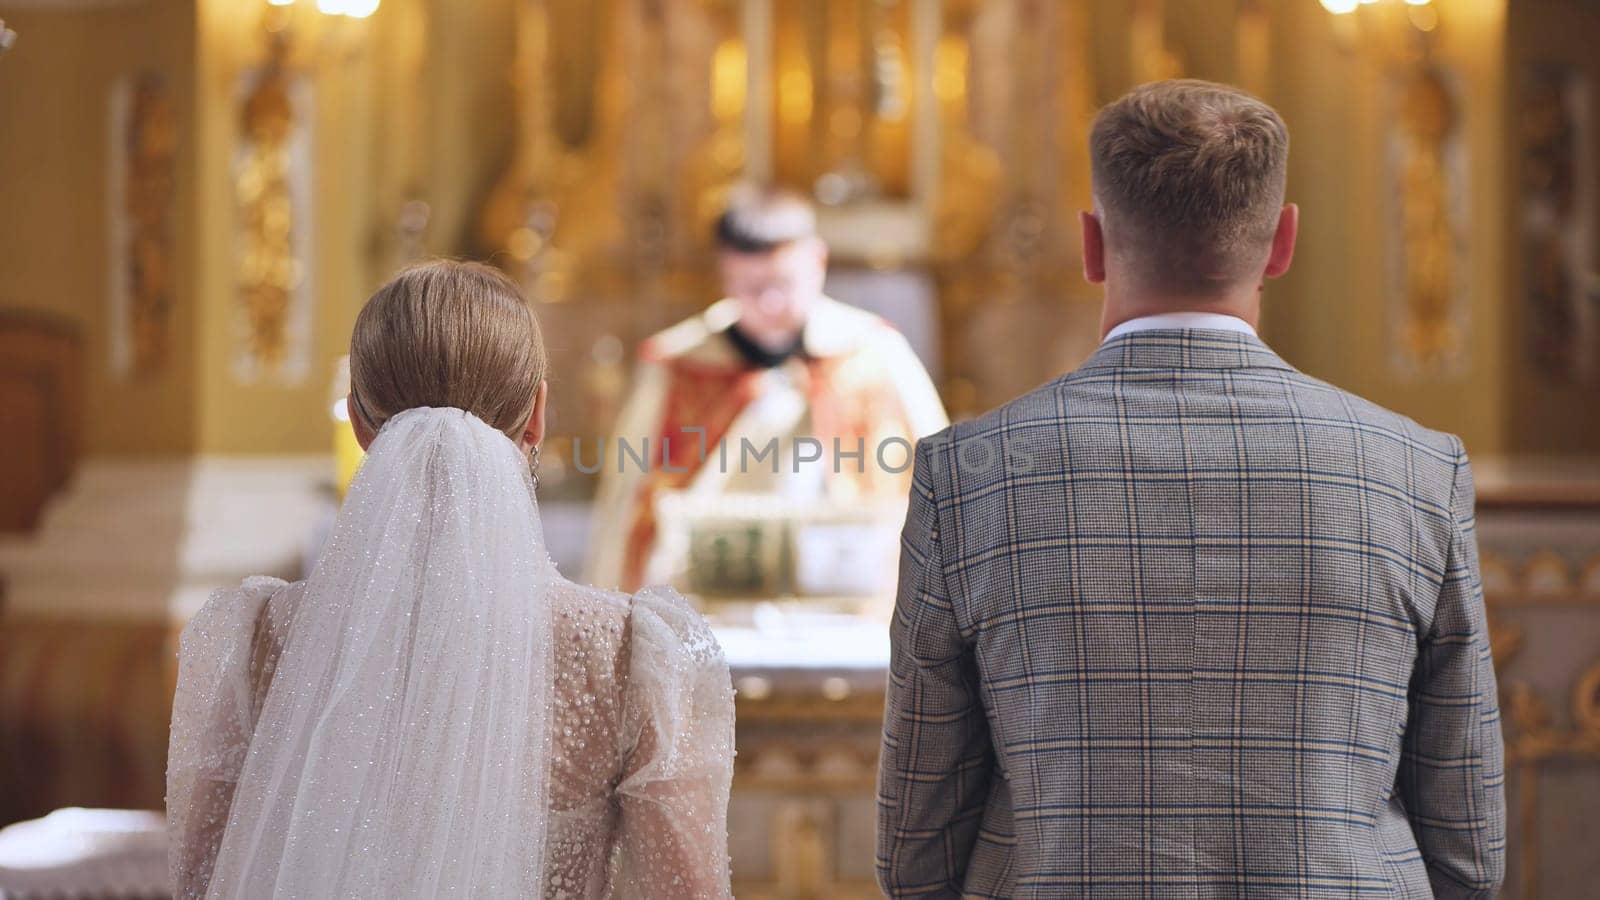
(775, 367)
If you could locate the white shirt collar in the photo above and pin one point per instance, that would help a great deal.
(1181, 320)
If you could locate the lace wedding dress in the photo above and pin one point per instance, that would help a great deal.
(436, 712)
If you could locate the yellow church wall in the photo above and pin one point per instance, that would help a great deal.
(1109, 23)
(414, 100)
(55, 140)
(418, 96)
(470, 123)
(1331, 315)
(275, 418)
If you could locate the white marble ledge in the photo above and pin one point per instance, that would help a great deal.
(149, 540)
(833, 654)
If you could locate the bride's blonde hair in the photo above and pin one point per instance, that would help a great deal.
(447, 333)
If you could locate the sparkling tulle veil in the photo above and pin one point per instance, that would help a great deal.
(402, 749)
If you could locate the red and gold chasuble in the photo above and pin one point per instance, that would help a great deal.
(867, 397)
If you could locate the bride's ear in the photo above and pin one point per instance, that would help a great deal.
(364, 433)
(533, 435)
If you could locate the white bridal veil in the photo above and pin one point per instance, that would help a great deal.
(402, 749)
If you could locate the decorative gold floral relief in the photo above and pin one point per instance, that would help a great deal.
(145, 301)
(269, 273)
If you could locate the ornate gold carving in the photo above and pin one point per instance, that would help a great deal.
(1004, 229)
(842, 82)
(800, 848)
(807, 737)
(768, 704)
(630, 127)
(1546, 573)
(1428, 334)
(809, 746)
(1589, 579)
(1546, 577)
(627, 139)
(1497, 571)
(970, 168)
(1431, 336)
(554, 129)
(1519, 589)
(151, 142)
(1559, 272)
(1505, 640)
(1533, 737)
(1586, 703)
(1533, 740)
(269, 272)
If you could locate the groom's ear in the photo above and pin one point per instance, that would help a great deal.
(1094, 247)
(533, 435)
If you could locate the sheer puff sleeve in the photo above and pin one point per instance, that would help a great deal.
(678, 755)
(213, 716)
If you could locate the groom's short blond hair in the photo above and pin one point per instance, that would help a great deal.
(1190, 177)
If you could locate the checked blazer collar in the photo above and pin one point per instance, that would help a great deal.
(1189, 348)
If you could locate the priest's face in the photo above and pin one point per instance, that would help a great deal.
(775, 291)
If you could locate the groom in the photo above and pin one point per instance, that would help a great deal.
(1186, 622)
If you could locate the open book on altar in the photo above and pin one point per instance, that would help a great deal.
(732, 547)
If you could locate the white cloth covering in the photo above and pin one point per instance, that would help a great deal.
(106, 854)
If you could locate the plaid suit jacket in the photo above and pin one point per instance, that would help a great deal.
(1189, 623)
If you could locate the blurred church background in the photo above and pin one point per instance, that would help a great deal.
(197, 195)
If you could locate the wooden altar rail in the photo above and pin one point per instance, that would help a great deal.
(41, 412)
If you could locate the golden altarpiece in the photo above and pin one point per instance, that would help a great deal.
(1445, 159)
(943, 141)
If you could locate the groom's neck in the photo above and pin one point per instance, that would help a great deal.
(1124, 306)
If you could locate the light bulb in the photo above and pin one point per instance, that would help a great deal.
(1340, 7)
(360, 9)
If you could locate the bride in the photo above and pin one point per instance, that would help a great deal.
(435, 711)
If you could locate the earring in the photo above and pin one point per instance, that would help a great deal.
(533, 465)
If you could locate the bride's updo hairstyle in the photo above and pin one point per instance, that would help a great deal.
(447, 334)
